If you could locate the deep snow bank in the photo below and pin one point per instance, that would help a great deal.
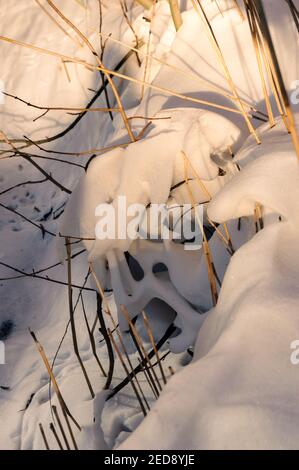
(241, 389)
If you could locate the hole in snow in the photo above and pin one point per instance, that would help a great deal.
(6, 328)
(159, 268)
(135, 268)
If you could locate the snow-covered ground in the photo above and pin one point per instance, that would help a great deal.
(240, 390)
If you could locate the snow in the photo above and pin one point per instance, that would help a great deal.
(240, 390)
(136, 170)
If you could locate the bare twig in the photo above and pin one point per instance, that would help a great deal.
(72, 319)
(176, 14)
(125, 77)
(43, 435)
(91, 338)
(295, 12)
(142, 348)
(170, 330)
(95, 54)
(59, 108)
(284, 94)
(37, 276)
(152, 340)
(62, 403)
(39, 168)
(52, 428)
(40, 227)
(88, 106)
(127, 372)
(55, 411)
(57, 24)
(108, 342)
(210, 32)
(22, 184)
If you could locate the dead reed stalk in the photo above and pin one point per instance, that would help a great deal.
(142, 349)
(176, 14)
(121, 75)
(254, 35)
(107, 75)
(52, 428)
(261, 17)
(72, 317)
(127, 372)
(154, 346)
(62, 403)
(55, 411)
(44, 436)
(91, 337)
(205, 244)
(108, 312)
(211, 35)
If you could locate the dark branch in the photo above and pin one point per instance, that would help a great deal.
(107, 340)
(170, 330)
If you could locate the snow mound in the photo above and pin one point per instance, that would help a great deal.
(241, 390)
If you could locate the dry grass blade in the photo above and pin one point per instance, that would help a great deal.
(138, 339)
(176, 14)
(145, 3)
(226, 240)
(66, 417)
(200, 183)
(148, 378)
(272, 80)
(128, 358)
(91, 336)
(152, 340)
(52, 428)
(294, 12)
(55, 411)
(208, 256)
(43, 436)
(280, 82)
(127, 372)
(189, 74)
(202, 15)
(102, 299)
(239, 10)
(129, 23)
(123, 76)
(108, 312)
(95, 54)
(254, 35)
(66, 71)
(60, 108)
(147, 55)
(72, 318)
(258, 217)
(107, 341)
(62, 403)
(57, 24)
(167, 334)
(30, 160)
